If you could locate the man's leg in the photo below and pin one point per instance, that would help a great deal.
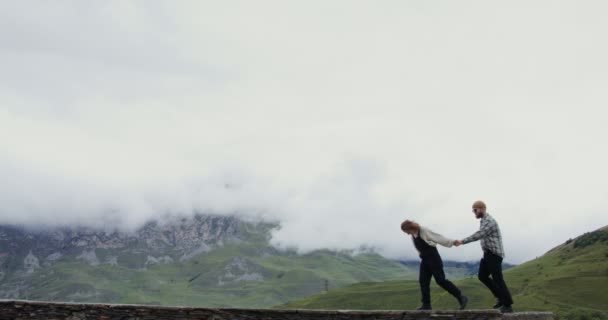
(484, 276)
(424, 278)
(499, 282)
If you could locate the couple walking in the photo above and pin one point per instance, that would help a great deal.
(431, 264)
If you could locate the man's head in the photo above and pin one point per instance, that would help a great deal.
(410, 227)
(479, 208)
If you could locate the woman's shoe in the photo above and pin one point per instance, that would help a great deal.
(425, 307)
(498, 304)
(463, 300)
(506, 309)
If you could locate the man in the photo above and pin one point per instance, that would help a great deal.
(431, 265)
(493, 253)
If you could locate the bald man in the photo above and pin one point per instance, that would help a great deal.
(493, 253)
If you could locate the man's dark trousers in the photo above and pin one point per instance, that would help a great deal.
(431, 265)
(491, 264)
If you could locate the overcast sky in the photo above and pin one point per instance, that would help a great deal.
(338, 118)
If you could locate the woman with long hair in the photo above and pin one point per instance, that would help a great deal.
(431, 264)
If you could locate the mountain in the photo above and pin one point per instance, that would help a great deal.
(569, 279)
(204, 260)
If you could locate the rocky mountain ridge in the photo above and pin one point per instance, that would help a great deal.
(154, 243)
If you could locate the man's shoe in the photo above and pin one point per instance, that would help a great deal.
(463, 300)
(498, 304)
(425, 307)
(506, 309)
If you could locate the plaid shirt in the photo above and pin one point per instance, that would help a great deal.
(489, 234)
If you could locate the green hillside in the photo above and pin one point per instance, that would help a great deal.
(245, 271)
(570, 278)
(197, 282)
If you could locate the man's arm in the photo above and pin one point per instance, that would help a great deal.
(484, 230)
(437, 238)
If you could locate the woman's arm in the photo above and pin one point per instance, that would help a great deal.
(437, 238)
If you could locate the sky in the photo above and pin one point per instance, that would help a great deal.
(339, 119)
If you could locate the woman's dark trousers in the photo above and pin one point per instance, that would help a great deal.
(432, 266)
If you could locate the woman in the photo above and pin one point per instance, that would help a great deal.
(431, 264)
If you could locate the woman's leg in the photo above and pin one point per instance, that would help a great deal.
(437, 269)
(424, 277)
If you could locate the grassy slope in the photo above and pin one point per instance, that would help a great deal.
(286, 277)
(566, 277)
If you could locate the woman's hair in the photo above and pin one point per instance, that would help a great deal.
(409, 225)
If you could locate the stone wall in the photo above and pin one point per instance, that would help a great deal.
(22, 310)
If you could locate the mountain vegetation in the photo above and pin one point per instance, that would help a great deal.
(571, 279)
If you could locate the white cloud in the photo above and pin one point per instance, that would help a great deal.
(341, 119)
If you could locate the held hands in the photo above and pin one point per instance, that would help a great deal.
(457, 243)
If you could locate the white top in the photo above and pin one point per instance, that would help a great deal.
(432, 238)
